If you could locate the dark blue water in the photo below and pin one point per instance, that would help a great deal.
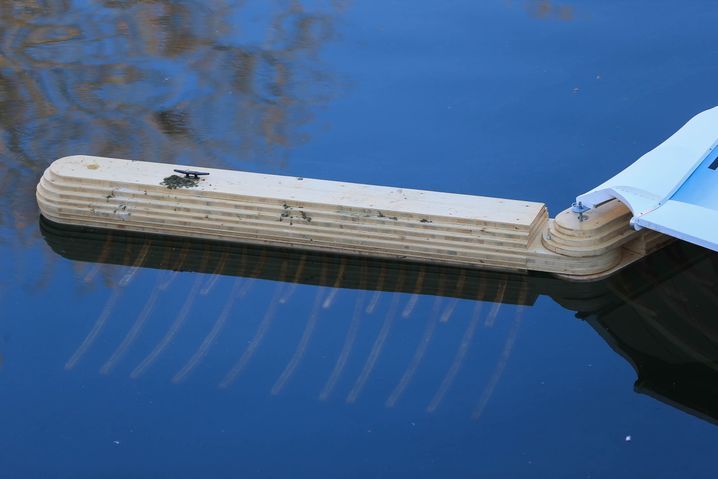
(536, 100)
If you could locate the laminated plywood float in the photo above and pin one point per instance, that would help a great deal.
(661, 196)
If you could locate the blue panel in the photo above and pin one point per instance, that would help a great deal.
(701, 188)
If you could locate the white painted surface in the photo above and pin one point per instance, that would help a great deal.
(685, 221)
(671, 189)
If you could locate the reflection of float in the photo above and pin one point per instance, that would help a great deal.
(669, 190)
(660, 316)
(658, 313)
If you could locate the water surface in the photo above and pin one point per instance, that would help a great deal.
(128, 357)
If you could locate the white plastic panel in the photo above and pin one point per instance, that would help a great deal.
(673, 188)
(655, 176)
(685, 221)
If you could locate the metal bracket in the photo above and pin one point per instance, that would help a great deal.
(579, 208)
(192, 173)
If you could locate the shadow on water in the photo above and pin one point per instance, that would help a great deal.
(658, 314)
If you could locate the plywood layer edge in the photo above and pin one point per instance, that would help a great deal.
(321, 215)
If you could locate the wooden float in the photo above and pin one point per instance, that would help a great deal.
(337, 217)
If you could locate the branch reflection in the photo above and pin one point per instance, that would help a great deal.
(218, 83)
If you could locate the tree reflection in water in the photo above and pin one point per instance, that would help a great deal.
(220, 84)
